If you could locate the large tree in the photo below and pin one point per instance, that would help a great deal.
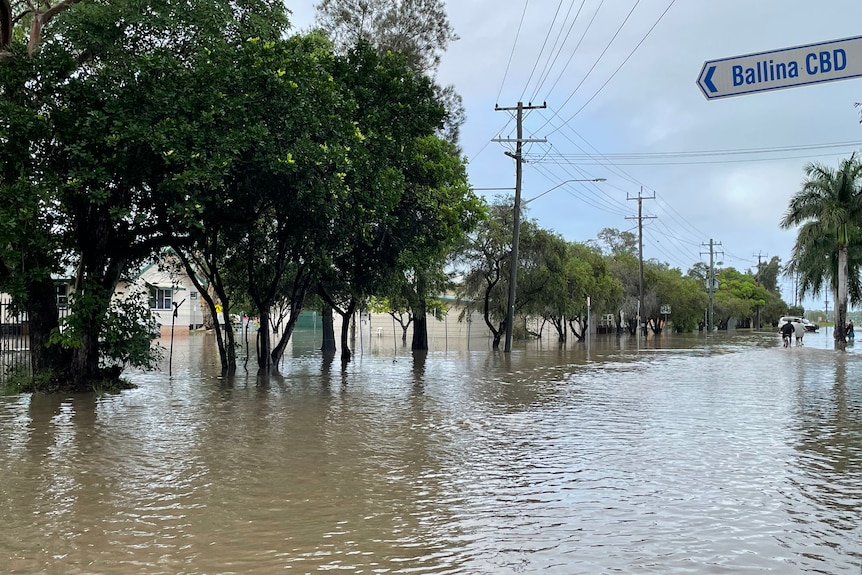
(420, 31)
(828, 211)
(483, 263)
(402, 181)
(112, 84)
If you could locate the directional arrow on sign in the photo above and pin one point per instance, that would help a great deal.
(784, 68)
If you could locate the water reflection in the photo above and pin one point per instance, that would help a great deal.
(723, 454)
(830, 460)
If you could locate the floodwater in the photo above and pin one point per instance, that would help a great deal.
(724, 454)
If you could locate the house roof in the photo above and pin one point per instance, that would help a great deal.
(154, 277)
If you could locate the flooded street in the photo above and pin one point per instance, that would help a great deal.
(685, 454)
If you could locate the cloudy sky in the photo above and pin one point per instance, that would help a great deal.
(619, 80)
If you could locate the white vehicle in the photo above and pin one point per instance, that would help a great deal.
(809, 326)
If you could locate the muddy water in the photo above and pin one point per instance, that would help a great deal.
(677, 455)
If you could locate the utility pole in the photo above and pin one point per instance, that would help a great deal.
(516, 214)
(710, 284)
(758, 255)
(827, 308)
(640, 218)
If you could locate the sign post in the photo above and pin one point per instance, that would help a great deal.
(784, 68)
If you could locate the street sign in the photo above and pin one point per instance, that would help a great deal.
(665, 309)
(785, 68)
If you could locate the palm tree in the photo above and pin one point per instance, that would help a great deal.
(828, 208)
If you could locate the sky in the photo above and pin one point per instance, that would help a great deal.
(619, 79)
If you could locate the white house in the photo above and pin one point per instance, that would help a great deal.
(170, 291)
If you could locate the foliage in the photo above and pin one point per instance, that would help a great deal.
(828, 211)
(767, 274)
(483, 265)
(419, 30)
(126, 332)
(685, 295)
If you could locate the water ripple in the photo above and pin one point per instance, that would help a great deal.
(689, 456)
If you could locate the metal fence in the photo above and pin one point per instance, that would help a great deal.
(14, 341)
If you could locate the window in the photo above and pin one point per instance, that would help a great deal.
(160, 298)
(193, 295)
(62, 296)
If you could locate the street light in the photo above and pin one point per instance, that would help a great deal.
(513, 265)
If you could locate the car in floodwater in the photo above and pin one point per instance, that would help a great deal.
(809, 325)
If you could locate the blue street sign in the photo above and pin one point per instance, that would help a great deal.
(785, 68)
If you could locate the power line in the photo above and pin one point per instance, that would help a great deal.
(514, 45)
(542, 50)
(578, 45)
(601, 55)
(635, 49)
(597, 203)
(670, 158)
(550, 63)
(718, 152)
(611, 201)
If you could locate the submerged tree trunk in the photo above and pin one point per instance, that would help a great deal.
(223, 327)
(97, 280)
(43, 318)
(265, 364)
(328, 329)
(420, 333)
(420, 325)
(841, 296)
(559, 324)
(346, 316)
(579, 334)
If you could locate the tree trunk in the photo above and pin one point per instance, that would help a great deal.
(43, 318)
(85, 363)
(420, 333)
(841, 297)
(328, 329)
(345, 330)
(265, 364)
(420, 325)
(346, 354)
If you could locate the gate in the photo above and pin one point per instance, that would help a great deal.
(14, 341)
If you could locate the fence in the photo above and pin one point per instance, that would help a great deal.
(14, 341)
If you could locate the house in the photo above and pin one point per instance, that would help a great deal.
(173, 298)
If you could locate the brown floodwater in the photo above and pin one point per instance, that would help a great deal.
(674, 455)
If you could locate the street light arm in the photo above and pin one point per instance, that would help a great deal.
(513, 265)
(525, 202)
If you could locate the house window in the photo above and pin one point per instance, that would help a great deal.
(62, 296)
(160, 298)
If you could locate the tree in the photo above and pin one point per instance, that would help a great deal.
(768, 272)
(408, 200)
(32, 15)
(29, 251)
(738, 297)
(485, 259)
(114, 105)
(685, 295)
(434, 215)
(829, 205)
(286, 185)
(418, 29)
